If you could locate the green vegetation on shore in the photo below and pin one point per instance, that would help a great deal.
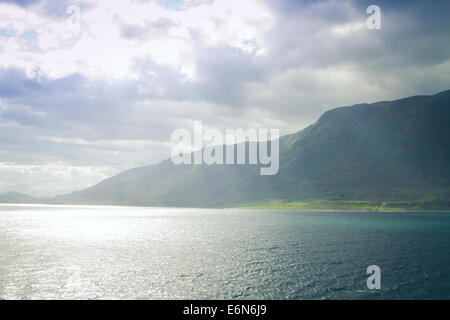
(353, 205)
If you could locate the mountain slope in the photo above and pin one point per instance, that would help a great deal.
(16, 197)
(385, 151)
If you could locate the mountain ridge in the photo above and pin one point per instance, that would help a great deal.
(384, 151)
(16, 197)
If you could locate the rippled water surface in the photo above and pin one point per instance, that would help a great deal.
(80, 252)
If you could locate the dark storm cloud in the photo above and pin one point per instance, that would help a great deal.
(412, 32)
(396, 60)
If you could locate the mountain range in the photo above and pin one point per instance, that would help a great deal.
(389, 151)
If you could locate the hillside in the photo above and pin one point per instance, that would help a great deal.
(16, 197)
(385, 151)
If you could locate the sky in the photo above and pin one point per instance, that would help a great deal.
(91, 88)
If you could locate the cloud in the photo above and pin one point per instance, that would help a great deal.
(181, 5)
(51, 8)
(160, 26)
(21, 3)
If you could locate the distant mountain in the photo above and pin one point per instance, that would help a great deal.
(385, 151)
(16, 197)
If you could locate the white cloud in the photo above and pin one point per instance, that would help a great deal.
(99, 49)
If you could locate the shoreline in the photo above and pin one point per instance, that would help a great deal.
(357, 205)
(287, 206)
